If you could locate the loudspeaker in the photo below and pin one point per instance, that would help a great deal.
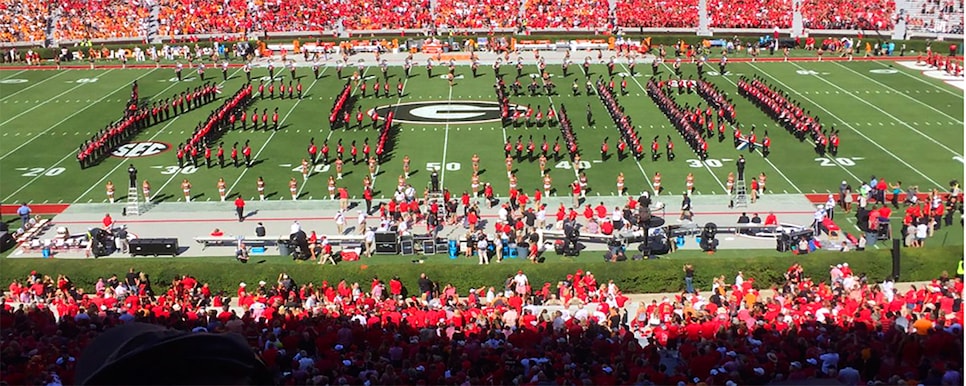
(6, 241)
(386, 237)
(407, 247)
(155, 247)
(896, 250)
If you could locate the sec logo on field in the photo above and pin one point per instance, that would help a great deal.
(140, 149)
(445, 112)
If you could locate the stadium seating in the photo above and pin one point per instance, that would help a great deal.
(935, 16)
(848, 14)
(99, 19)
(476, 13)
(661, 13)
(391, 14)
(22, 21)
(104, 19)
(750, 13)
(566, 14)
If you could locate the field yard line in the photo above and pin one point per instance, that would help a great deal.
(68, 117)
(34, 85)
(706, 167)
(14, 74)
(74, 151)
(442, 174)
(7, 199)
(38, 105)
(122, 162)
(267, 141)
(846, 124)
(920, 80)
(361, 77)
(956, 119)
(769, 161)
(372, 184)
(901, 122)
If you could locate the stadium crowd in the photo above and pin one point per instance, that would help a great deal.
(842, 326)
(100, 19)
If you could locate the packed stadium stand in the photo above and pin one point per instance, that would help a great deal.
(663, 13)
(750, 13)
(476, 14)
(75, 20)
(98, 19)
(389, 14)
(848, 14)
(541, 14)
(23, 21)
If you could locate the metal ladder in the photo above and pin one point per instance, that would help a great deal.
(441, 208)
(133, 207)
(741, 195)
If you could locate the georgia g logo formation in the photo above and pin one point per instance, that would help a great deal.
(444, 112)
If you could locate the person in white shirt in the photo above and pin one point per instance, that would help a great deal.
(361, 222)
(295, 227)
(922, 230)
(370, 240)
(481, 245)
(542, 217)
(617, 218)
(520, 282)
(739, 279)
(340, 221)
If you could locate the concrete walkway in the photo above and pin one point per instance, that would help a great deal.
(185, 221)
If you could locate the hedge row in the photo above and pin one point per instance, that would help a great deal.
(663, 275)
(916, 45)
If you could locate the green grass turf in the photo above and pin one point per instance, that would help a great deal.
(663, 275)
(45, 119)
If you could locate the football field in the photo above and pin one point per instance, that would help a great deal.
(894, 123)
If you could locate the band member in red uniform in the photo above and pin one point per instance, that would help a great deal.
(247, 152)
(221, 154)
(313, 151)
(275, 119)
(655, 147)
(325, 152)
(670, 149)
(766, 145)
(234, 154)
(603, 150)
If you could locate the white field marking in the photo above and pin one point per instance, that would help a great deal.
(955, 119)
(34, 85)
(931, 139)
(14, 74)
(902, 122)
(372, 183)
(706, 167)
(442, 175)
(37, 106)
(121, 163)
(74, 151)
(758, 150)
(846, 124)
(69, 116)
(920, 80)
(362, 76)
(7, 199)
(149, 139)
(809, 141)
(267, 141)
(647, 179)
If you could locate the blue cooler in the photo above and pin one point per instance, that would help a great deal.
(454, 249)
(45, 252)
